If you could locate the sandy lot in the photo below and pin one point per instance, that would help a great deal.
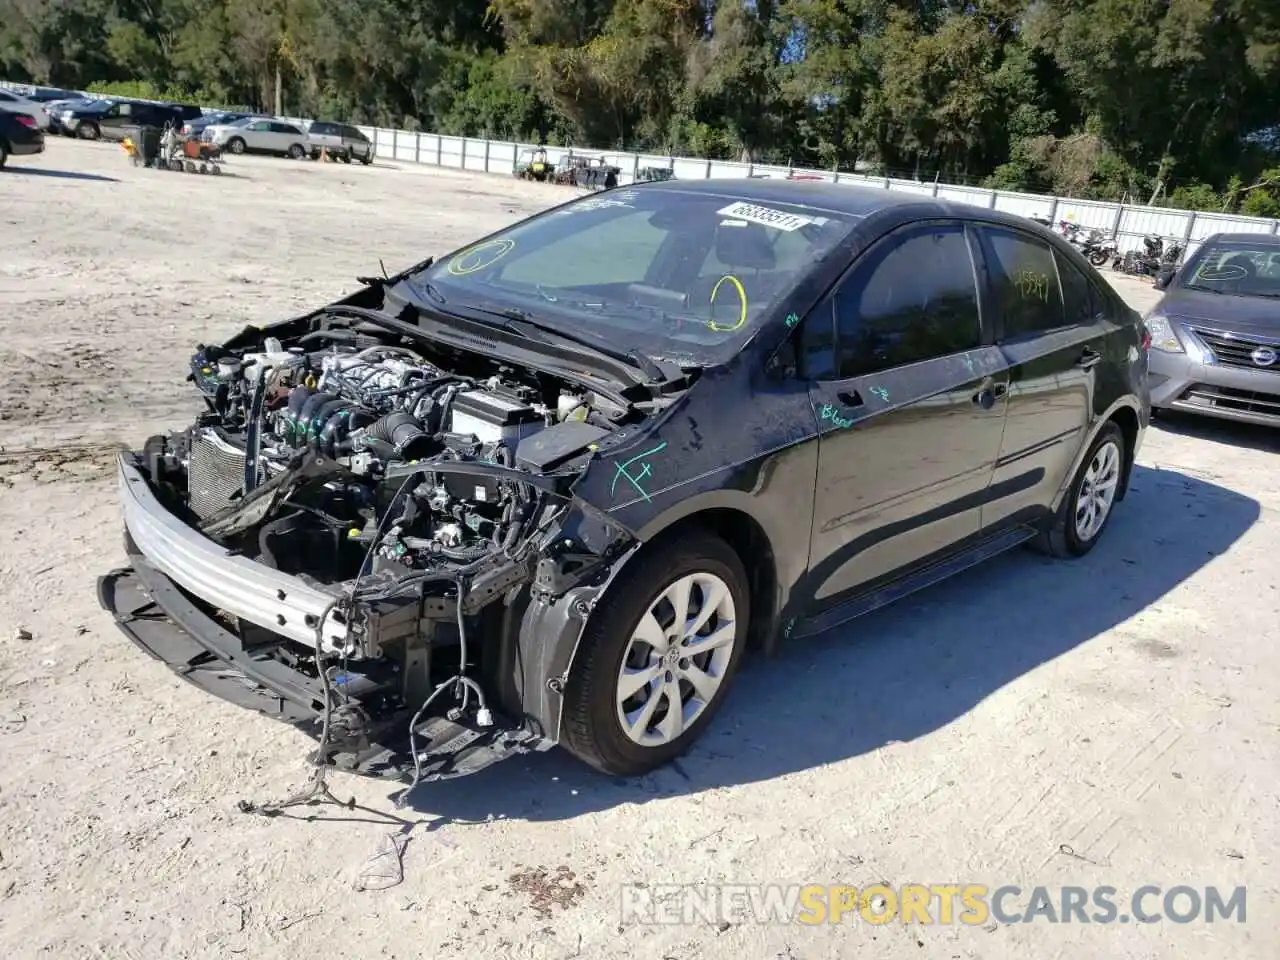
(1112, 721)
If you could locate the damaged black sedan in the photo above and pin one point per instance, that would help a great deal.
(550, 487)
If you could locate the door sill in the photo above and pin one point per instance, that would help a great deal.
(933, 574)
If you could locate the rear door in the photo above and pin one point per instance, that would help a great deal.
(323, 134)
(908, 393)
(115, 118)
(357, 142)
(1051, 329)
(286, 135)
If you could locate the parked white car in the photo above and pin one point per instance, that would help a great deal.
(259, 135)
(15, 103)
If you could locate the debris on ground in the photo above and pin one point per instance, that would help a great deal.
(385, 868)
(546, 889)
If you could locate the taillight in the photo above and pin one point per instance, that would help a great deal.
(1146, 338)
(26, 121)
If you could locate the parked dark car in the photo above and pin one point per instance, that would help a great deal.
(186, 112)
(113, 119)
(550, 487)
(1215, 334)
(340, 141)
(20, 136)
(196, 126)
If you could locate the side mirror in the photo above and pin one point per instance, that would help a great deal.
(1164, 278)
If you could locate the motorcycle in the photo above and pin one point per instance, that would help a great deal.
(1148, 261)
(1071, 232)
(1098, 248)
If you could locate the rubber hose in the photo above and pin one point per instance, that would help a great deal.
(320, 416)
(404, 432)
(337, 427)
(297, 397)
(309, 408)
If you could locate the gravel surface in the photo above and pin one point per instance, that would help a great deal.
(1112, 721)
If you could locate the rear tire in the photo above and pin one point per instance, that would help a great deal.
(1090, 501)
(1098, 259)
(638, 666)
(366, 160)
(4, 154)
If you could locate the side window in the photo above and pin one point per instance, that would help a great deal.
(1080, 301)
(259, 125)
(1024, 277)
(320, 129)
(351, 133)
(913, 298)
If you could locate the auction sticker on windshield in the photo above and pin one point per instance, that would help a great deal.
(766, 216)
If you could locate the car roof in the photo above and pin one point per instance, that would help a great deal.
(851, 200)
(1258, 239)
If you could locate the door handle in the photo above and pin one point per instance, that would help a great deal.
(1088, 359)
(850, 398)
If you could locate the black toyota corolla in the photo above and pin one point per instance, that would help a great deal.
(553, 486)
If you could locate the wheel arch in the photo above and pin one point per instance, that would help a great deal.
(1127, 415)
(733, 522)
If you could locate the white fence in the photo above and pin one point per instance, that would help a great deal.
(1126, 223)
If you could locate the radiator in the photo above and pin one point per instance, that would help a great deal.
(215, 473)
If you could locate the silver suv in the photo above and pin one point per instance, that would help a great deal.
(340, 141)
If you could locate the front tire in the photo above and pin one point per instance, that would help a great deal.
(1091, 499)
(4, 154)
(1098, 259)
(86, 130)
(296, 152)
(236, 145)
(657, 656)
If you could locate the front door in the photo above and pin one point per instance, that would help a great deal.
(1052, 332)
(909, 397)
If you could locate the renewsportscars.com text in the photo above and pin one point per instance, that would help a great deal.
(969, 904)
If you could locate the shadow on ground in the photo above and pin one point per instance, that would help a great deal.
(1253, 436)
(902, 672)
(60, 174)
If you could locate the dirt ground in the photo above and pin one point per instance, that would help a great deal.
(1112, 721)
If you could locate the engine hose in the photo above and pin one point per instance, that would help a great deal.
(346, 336)
(289, 523)
(297, 397)
(340, 424)
(404, 432)
(320, 416)
(309, 408)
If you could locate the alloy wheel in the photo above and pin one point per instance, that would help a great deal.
(1097, 491)
(676, 660)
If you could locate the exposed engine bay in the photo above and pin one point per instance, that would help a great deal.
(368, 408)
(412, 503)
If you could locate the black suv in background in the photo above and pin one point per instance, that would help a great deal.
(113, 119)
(340, 141)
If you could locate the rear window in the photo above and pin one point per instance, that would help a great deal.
(351, 133)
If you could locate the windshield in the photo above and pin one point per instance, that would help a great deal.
(1242, 269)
(673, 274)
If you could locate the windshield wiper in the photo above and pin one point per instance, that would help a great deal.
(518, 321)
(1203, 289)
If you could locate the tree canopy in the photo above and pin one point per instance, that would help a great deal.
(1173, 101)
